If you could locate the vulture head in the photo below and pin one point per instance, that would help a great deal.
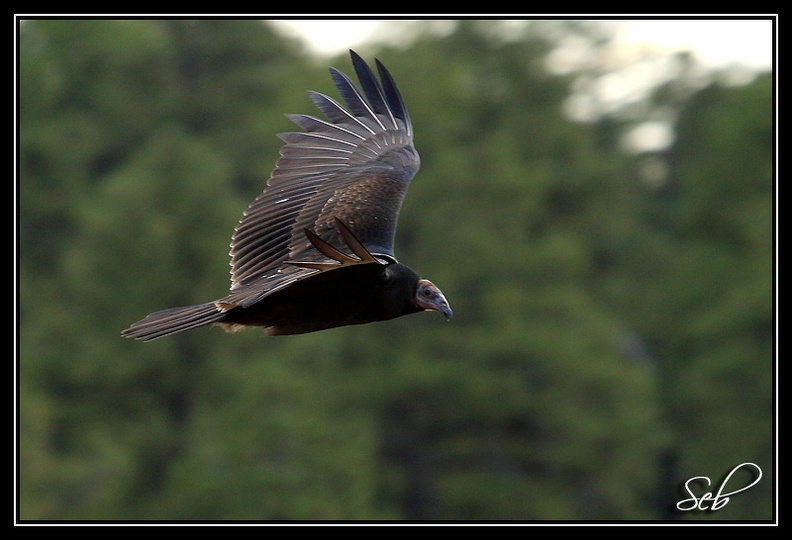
(428, 297)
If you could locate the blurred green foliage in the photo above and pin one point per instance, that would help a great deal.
(612, 337)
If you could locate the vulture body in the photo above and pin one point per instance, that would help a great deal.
(315, 249)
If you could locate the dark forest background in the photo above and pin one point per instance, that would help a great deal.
(614, 322)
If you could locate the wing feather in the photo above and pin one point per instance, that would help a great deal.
(353, 98)
(374, 92)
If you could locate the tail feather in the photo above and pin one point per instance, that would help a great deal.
(173, 320)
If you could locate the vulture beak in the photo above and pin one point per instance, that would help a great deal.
(429, 297)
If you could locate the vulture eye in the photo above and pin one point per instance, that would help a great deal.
(427, 293)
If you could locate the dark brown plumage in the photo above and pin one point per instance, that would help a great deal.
(315, 249)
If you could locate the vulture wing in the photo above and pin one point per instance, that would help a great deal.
(354, 168)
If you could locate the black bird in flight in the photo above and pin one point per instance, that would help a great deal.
(315, 249)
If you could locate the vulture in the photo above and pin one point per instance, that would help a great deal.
(315, 249)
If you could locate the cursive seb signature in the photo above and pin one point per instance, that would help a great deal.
(708, 501)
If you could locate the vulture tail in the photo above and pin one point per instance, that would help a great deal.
(173, 320)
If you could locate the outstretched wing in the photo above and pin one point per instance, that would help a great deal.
(355, 166)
